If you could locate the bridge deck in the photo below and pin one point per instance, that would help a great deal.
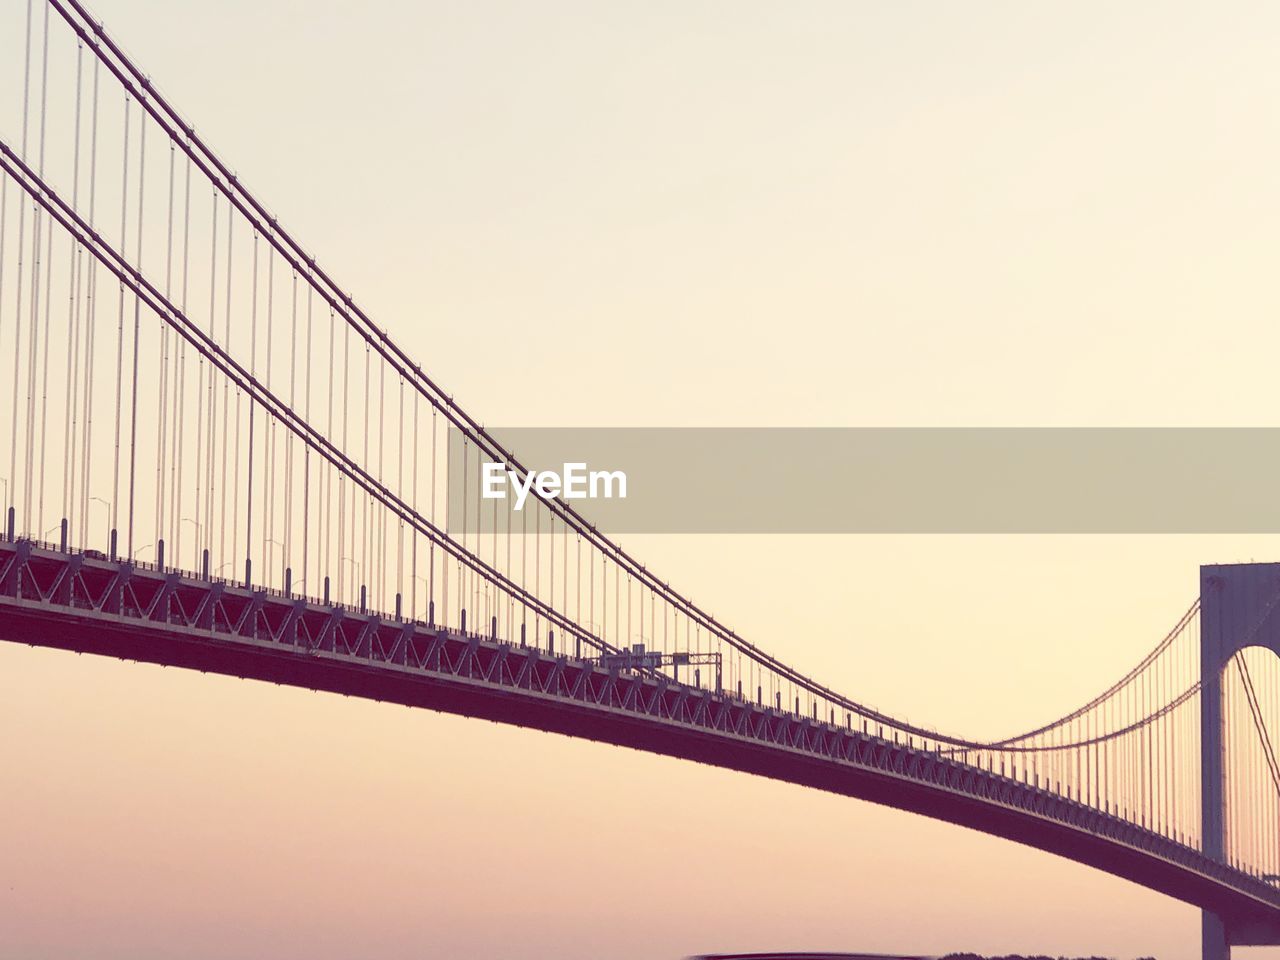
(92, 604)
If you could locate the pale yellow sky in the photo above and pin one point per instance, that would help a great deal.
(707, 213)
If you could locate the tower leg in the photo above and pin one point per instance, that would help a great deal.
(1213, 937)
(1213, 932)
(1237, 609)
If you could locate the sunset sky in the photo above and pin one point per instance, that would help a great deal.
(692, 213)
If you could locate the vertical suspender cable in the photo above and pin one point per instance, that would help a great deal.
(253, 371)
(431, 575)
(91, 312)
(269, 503)
(223, 519)
(22, 226)
(329, 474)
(180, 375)
(124, 208)
(70, 420)
(4, 224)
(41, 435)
(162, 434)
(137, 326)
(306, 450)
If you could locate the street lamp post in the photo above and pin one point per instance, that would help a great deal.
(106, 505)
(199, 528)
(359, 570)
(413, 602)
(272, 540)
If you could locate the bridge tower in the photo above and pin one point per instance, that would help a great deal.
(1239, 608)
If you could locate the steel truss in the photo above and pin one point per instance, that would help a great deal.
(93, 604)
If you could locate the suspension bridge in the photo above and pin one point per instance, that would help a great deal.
(217, 460)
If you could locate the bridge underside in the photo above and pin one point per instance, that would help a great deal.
(97, 606)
